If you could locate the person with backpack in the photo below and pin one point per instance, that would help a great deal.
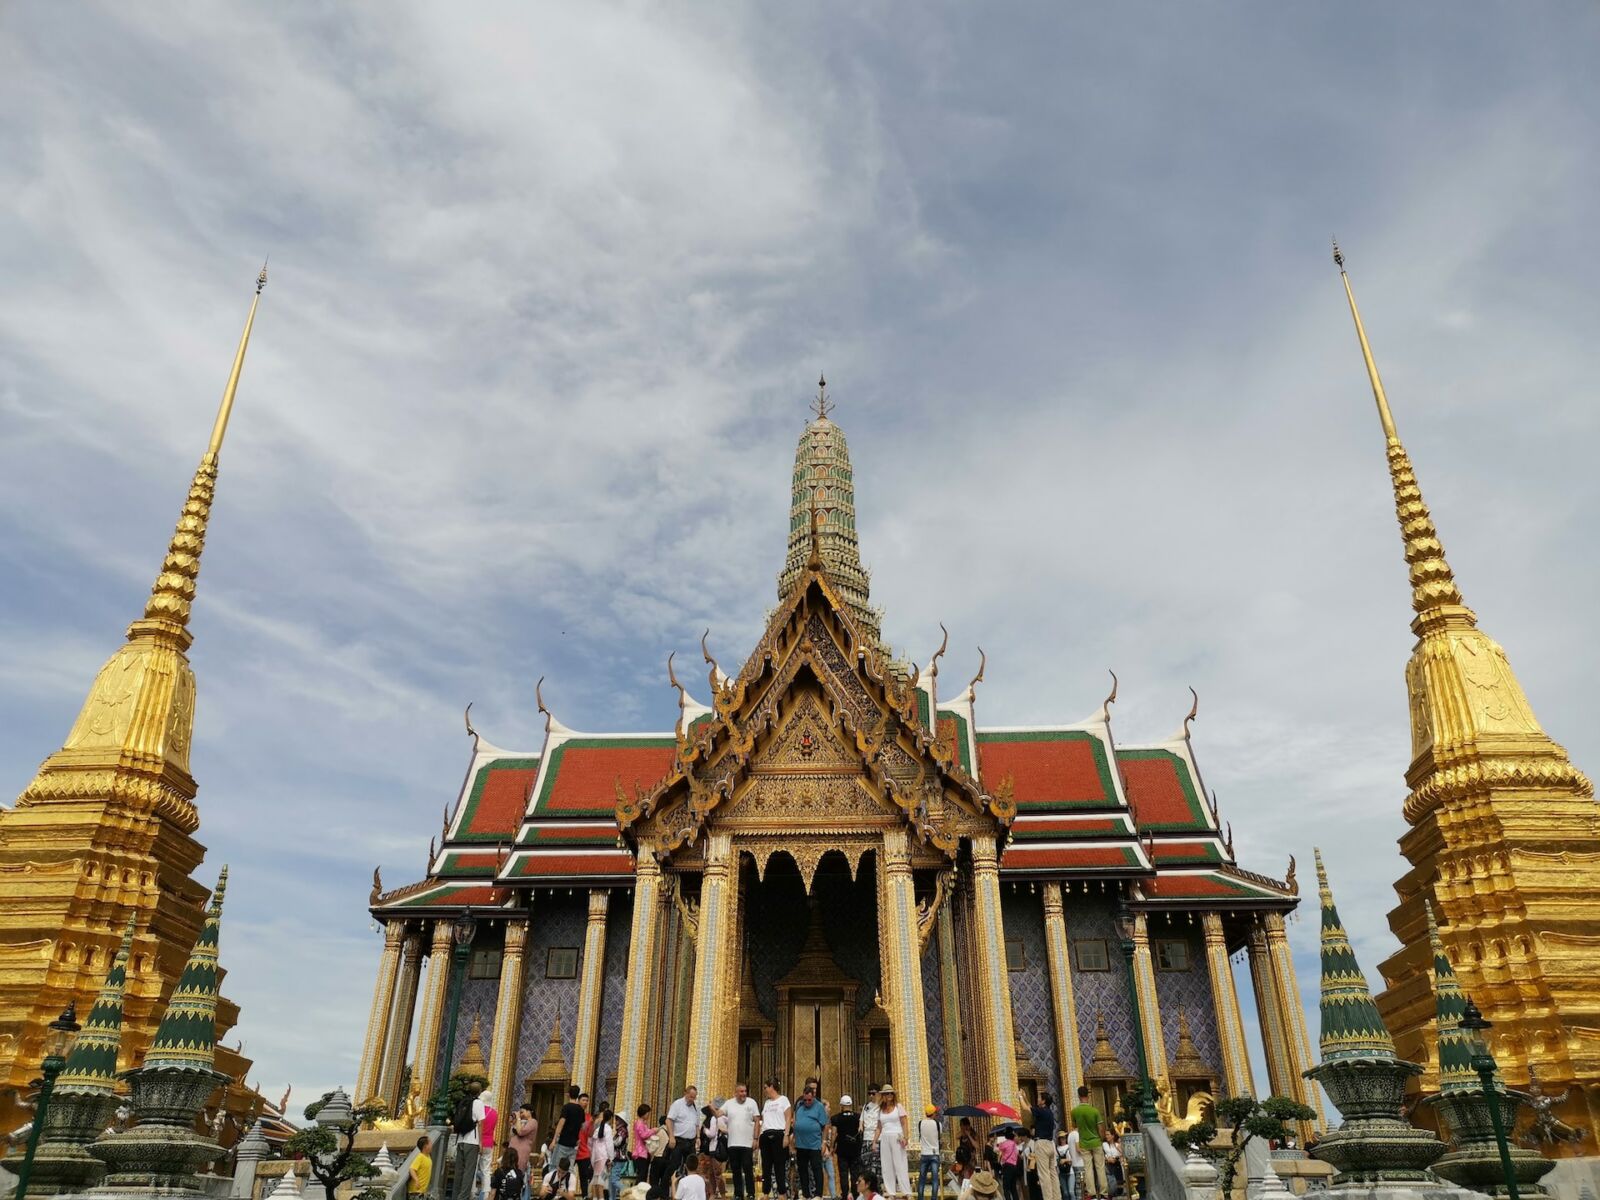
(507, 1182)
(465, 1123)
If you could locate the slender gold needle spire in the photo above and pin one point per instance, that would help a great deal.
(225, 409)
(1433, 584)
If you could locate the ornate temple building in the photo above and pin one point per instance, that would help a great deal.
(1503, 840)
(831, 867)
(105, 832)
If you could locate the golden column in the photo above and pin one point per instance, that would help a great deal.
(1225, 1000)
(1269, 1015)
(1062, 1003)
(586, 1035)
(999, 1055)
(641, 982)
(950, 995)
(1294, 1016)
(902, 974)
(394, 1057)
(382, 1006)
(1144, 979)
(429, 1029)
(508, 1019)
(710, 992)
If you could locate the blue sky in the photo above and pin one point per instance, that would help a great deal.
(550, 289)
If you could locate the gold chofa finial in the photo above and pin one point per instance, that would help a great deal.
(822, 405)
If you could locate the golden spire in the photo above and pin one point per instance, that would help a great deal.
(173, 592)
(1433, 584)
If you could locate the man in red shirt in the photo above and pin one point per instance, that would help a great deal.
(585, 1167)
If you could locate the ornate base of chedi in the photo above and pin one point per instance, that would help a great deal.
(1474, 1158)
(62, 1163)
(1374, 1145)
(162, 1153)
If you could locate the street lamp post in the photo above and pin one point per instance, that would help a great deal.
(61, 1031)
(1126, 925)
(1483, 1063)
(461, 931)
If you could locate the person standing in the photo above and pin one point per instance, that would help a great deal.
(928, 1158)
(601, 1150)
(621, 1156)
(807, 1122)
(892, 1130)
(564, 1137)
(1005, 1146)
(1063, 1165)
(522, 1136)
(683, 1119)
(466, 1123)
(640, 1150)
(775, 1115)
(420, 1173)
(871, 1162)
(845, 1138)
(581, 1153)
(1091, 1130)
(1044, 1119)
(491, 1122)
(741, 1115)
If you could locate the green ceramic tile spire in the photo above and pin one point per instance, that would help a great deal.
(1455, 1044)
(1351, 1027)
(92, 1065)
(187, 1036)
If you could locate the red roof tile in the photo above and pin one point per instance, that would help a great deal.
(1081, 857)
(1172, 887)
(1160, 791)
(540, 866)
(498, 798)
(1050, 769)
(1056, 829)
(583, 773)
(1187, 852)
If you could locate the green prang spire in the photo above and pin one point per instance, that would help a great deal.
(1455, 1044)
(92, 1065)
(187, 1036)
(1351, 1027)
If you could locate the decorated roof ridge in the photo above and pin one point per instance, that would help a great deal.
(1351, 1026)
(186, 1039)
(383, 899)
(452, 895)
(898, 696)
(92, 1064)
(1450, 1005)
(1186, 882)
(929, 682)
(532, 863)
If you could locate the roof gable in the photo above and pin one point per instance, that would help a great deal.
(1161, 790)
(1049, 768)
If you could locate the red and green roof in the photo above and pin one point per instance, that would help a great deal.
(1049, 768)
(582, 773)
(496, 800)
(1079, 858)
(454, 895)
(570, 864)
(1055, 828)
(569, 833)
(1161, 791)
(1207, 885)
(1186, 853)
(468, 864)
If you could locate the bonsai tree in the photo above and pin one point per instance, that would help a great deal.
(328, 1148)
(1248, 1117)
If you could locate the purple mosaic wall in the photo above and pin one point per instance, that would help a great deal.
(933, 1008)
(1188, 992)
(557, 920)
(613, 989)
(477, 1000)
(1022, 916)
(1089, 916)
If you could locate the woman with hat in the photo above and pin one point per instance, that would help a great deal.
(983, 1186)
(891, 1142)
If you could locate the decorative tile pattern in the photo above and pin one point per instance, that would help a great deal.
(558, 920)
(1188, 992)
(1031, 1014)
(613, 989)
(1089, 916)
(478, 998)
(933, 1009)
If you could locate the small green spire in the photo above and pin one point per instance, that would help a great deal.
(187, 1035)
(92, 1065)
(1450, 1002)
(1351, 1027)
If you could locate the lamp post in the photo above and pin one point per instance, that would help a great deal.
(61, 1031)
(461, 931)
(1126, 925)
(1483, 1063)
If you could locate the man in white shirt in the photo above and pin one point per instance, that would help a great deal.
(683, 1118)
(1075, 1153)
(775, 1141)
(469, 1108)
(743, 1115)
(928, 1163)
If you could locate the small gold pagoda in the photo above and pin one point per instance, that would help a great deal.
(1503, 838)
(105, 832)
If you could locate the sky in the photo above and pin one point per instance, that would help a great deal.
(551, 286)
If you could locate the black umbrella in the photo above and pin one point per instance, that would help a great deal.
(965, 1110)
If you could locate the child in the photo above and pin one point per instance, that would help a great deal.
(420, 1173)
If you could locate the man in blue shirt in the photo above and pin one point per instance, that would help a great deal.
(810, 1121)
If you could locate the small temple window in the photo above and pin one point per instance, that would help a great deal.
(561, 963)
(1091, 954)
(1172, 955)
(1016, 956)
(485, 963)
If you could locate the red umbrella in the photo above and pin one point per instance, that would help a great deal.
(995, 1109)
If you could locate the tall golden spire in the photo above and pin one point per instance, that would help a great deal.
(167, 610)
(1433, 584)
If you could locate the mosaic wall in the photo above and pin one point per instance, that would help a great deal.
(933, 1009)
(613, 989)
(1188, 992)
(1022, 916)
(1089, 916)
(558, 920)
(477, 1000)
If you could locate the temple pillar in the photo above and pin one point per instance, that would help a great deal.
(1225, 1000)
(1269, 1016)
(902, 973)
(1294, 1020)
(429, 1029)
(586, 1034)
(950, 994)
(1144, 979)
(713, 986)
(998, 1054)
(1063, 1006)
(641, 987)
(377, 1039)
(508, 1020)
(405, 1010)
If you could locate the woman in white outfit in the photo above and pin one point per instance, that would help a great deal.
(892, 1143)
